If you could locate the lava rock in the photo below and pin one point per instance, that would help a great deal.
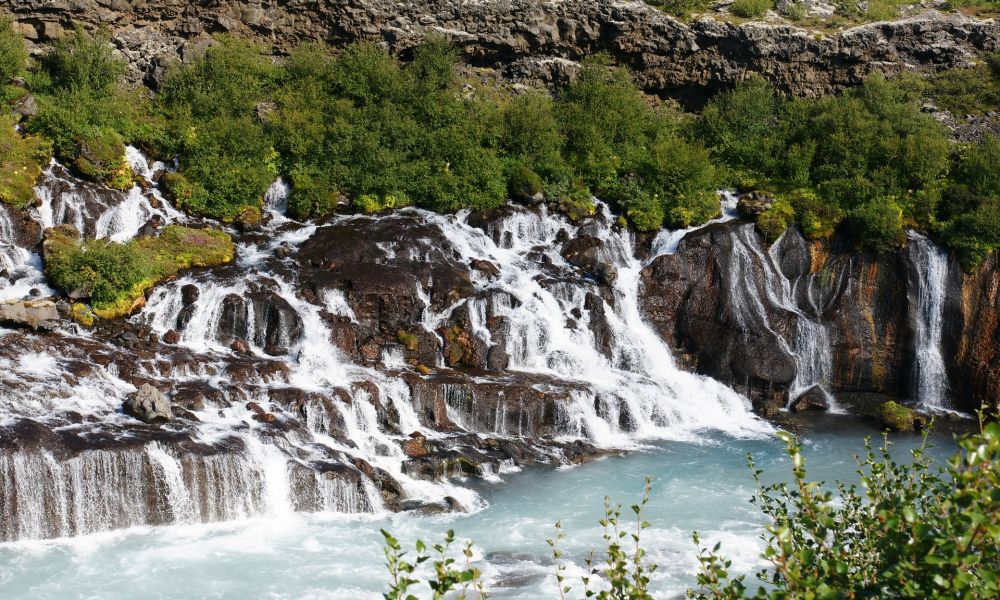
(814, 398)
(189, 294)
(149, 405)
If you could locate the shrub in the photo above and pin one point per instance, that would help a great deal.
(877, 225)
(13, 55)
(969, 90)
(751, 9)
(82, 62)
(573, 199)
(912, 530)
(313, 194)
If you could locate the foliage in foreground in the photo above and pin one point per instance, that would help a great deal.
(115, 277)
(905, 530)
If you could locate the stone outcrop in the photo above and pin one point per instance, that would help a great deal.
(149, 405)
(533, 39)
(719, 304)
(36, 314)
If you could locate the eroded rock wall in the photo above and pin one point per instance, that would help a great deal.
(533, 39)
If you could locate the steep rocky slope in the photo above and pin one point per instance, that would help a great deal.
(538, 39)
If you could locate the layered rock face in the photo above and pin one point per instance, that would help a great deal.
(534, 39)
(774, 321)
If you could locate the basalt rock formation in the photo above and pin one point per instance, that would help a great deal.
(534, 39)
(759, 318)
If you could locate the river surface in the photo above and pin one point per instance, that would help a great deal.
(702, 486)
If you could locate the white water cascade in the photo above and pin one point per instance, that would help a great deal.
(931, 265)
(296, 425)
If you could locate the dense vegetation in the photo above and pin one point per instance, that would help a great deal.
(115, 277)
(360, 127)
(905, 530)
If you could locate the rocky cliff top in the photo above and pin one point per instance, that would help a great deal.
(534, 39)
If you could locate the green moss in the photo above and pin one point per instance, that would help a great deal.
(370, 203)
(523, 184)
(82, 314)
(101, 157)
(775, 220)
(410, 341)
(118, 275)
(21, 162)
(895, 416)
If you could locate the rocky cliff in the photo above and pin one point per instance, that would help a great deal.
(533, 39)
(760, 318)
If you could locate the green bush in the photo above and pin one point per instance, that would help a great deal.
(971, 90)
(313, 194)
(751, 9)
(878, 225)
(79, 61)
(13, 55)
(910, 530)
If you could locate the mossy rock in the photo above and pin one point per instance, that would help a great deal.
(896, 417)
(524, 185)
(82, 314)
(249, 218)
(21, 161)
(410, 341)
(119, 275)
(101, 158)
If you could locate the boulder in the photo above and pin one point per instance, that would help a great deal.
(896, 417)
(814, 398)
(149, 405)
(36, 314)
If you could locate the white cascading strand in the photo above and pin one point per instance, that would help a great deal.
(931, 381)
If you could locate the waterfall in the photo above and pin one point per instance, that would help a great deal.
(931, 266)
(300, 426)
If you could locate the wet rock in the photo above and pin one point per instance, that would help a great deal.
(35, 314)
(171, 337)
(814, 398)
(241, 347)
(149, 405)
(189, 294)
(485, 267)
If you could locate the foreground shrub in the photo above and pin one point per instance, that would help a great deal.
(913, 529)
(115, 277)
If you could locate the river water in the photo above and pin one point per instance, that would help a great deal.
(702, 486)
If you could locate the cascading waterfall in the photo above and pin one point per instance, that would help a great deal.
(931, 377)
(621, 379)
(753, 295)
